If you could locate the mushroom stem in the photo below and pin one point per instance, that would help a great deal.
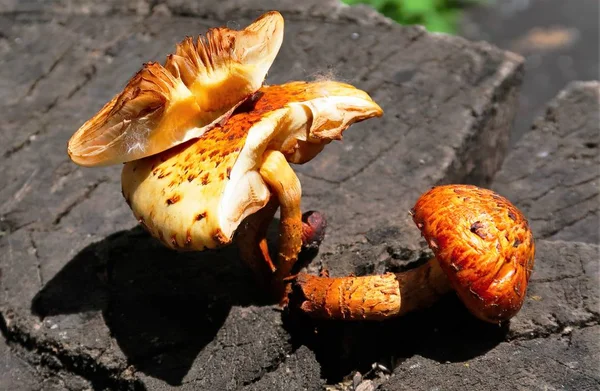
(252, 242)
(283, 181)
(376, 297)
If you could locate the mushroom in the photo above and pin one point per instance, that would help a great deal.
(196, 195)
(199, 86)
(483, 249)
(204, 148)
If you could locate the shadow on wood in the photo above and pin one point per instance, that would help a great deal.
(444, 333)
(161, 306)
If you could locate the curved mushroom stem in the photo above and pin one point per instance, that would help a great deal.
(251, 238)
(252, 242)
(283, 181)
(376, 297)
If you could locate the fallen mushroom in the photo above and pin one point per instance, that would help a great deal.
(483, 248)
(199, 86)
(196, 195)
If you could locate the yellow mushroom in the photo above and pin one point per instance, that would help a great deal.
(195, 196)
(206, 147)
(198, 86)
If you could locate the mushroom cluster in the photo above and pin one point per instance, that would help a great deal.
(207, 146)
(207, 149)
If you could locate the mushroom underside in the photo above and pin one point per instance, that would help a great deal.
(164, 106)
(194, 196)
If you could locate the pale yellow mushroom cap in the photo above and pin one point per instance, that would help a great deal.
(198, 86)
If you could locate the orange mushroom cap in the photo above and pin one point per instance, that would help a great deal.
(483, 243)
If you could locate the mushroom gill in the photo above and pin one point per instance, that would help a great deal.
(164, 106)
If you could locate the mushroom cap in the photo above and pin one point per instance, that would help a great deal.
(484, 245)
(195, 195)
(163, 106)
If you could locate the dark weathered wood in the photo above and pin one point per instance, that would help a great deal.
(300, 371)
(553, 174)
(567, 361)
(21, 371)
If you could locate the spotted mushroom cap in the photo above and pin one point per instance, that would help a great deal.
(195, 195)
(163, 106)
(484, 245)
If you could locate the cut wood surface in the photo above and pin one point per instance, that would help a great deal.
(91, 300)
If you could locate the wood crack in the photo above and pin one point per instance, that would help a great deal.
(86, 194)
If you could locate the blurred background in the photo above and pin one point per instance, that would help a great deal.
(558, 38)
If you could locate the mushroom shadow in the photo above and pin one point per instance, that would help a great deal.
(161, 306)
(445, 332)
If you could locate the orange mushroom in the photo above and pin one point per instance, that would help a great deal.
(164, 106)
(483, 248)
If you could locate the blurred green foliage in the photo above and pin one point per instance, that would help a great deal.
(435, 15)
